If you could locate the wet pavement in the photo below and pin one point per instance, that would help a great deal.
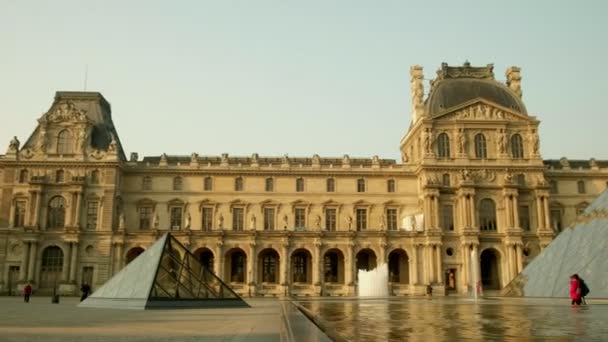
(461, 319)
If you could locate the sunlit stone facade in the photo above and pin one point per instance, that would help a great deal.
(74, 208)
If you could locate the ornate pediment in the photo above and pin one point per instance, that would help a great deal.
(482, 110)
(65, 111)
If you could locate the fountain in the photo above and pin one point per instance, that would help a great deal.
(373, 283)
(475, 281)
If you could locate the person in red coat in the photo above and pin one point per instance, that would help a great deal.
(27, 292)
(575, 289)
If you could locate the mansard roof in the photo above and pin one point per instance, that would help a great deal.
(456, 85)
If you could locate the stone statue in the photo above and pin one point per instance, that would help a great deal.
(535, 142)
(462, 141)
(252, 222)
(220, 221)
(83, 137)
(349, 222)
(466, 175)
(41, 143)
(134, 157)
(501, 142)
(14, 144)
(113, 145)
(382, 221)
(428, 141)
(316, 159)
(318, 221)
(285, 221)
(508, 178)
(188, 221)
(346, 160)
(417, 77)
(514, 80)
(194, 158)
(285, 160)
(156, 221)
(121, 220)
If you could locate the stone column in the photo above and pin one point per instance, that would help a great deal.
(436, 211)
(25, 254)
(427, 213)
(36, 213)
(349, 265)
(78, 205)
(427, 257)
(466, 262)
(31, 274)
(540, 218)
(251, 261)
(439, 267)
(413, 266)
(316, 265)
(284, 278)
(219, 261)
(65, 267)
(547, 217)
(516, 222)
(477, 266)
(69, 210)
(474, 222)
(518, 252)
(508, 214)
(73, 261)
(11, 215)
(510, 264)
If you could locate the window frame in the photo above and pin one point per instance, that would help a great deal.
(330, 184)
(361, 185)
(517, 146)
(481, 146)
(443, 146)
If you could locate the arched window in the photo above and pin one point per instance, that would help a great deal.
(517, 146)
(487, 215)
(51, 266)
(331, 185)
(481, 151)
(360, 185)
(23, 176)
(269, 184)
(177, 184)
(446, 179)
(59, 176)
(443, 146)
(208, 184)
(238, 184)
(581, 186)
(146, 183)
(390, 185)
(300, 185)
(94, 177)
(56, 213)
(64, 143)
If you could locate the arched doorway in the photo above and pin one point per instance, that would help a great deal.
(301, 266)
(206, 257)
(489, 264)
(366, 260)
(398, 267)
(133, 253)
(333, 266)
(268, 266)
(236, 262)
(51, 267)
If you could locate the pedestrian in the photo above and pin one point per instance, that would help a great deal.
(584, 289)
(27, 292)
(575, 289)
(86, 290)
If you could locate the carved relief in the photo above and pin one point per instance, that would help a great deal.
(534, 142)
(501, 141)
(462, 141)
(483, 112)
(66, 111)
(514, 80)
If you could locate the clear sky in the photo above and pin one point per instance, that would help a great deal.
(297, 77)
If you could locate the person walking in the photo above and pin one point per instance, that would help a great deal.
(584, 289)
(575, 289)
(86, 290)
(27, 292)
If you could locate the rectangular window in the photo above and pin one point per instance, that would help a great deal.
(176, 218)
(524, 217)
(300, 217)
(390, 185)
(300, 185)
(207, 219)
(361, 185)
(361, 219)
(208, 184)
(268, 218)
(92, 215)
(145, 216)
(330, 219)
(146, 183)
(237, 219)
(391, 219)
(447, 215)
(556, 219)
(20, 214)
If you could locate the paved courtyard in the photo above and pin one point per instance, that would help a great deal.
(42, 321)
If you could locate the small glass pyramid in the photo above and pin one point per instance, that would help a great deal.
(165, 276)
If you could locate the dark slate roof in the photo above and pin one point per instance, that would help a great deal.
(262, 160)
(451, 92)
(574, 163)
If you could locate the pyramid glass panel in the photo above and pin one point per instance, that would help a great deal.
(165, 276)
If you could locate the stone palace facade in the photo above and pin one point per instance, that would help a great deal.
(471, 179)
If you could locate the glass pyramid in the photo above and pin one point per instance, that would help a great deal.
(165, 276)
(581, 249)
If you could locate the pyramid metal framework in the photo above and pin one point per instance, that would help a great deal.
(165, 276)
(581, 249)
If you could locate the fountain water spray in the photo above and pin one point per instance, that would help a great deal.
(373, 283)
(475, 281)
